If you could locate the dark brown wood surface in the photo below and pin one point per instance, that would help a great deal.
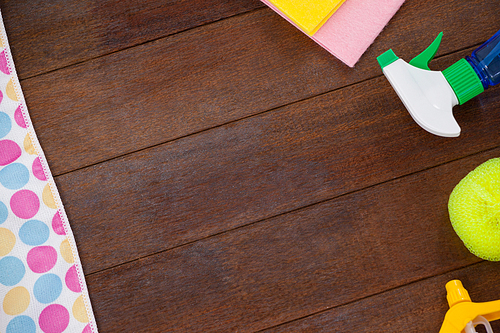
(223, 173)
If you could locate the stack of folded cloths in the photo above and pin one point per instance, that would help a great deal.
(345, 28)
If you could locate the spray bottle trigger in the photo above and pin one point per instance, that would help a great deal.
(480, 320)
(422, 60)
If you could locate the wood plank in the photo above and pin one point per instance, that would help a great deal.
(419, 307)
(206, 77)
(60, 33)
(293, 265)
(257, 168)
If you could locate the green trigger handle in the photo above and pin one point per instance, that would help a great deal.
(422, 60)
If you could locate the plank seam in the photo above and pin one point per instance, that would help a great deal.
(284, 213)
(372, 295)
(353, 84)
(140, 44)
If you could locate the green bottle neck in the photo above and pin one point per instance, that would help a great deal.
(463, 80)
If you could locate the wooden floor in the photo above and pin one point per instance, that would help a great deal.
(223, 173)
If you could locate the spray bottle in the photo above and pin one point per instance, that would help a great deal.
(464, 314)
(429, 96)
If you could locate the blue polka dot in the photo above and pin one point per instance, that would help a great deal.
(34, 232)
(11, 271)
(47, 288)
(21, 324)
(5, 124)
(14, 176)
(4, 212)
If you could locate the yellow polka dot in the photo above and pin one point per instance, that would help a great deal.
(48, 198)
(66, 251)
(11, 93)
(7, 241)
(16, 301)
(28, 145)
(79, 311)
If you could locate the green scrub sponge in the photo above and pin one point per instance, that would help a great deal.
(474, 208)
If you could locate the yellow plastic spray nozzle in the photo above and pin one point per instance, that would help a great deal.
(463, 311)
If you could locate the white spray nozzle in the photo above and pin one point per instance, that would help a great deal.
(429, 96)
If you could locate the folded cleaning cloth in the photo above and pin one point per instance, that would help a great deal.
(308, 15)
(42, 286)
(353, 27)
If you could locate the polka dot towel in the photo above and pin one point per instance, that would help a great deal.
(42, 286)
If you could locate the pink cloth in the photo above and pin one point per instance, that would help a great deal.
(353, 27)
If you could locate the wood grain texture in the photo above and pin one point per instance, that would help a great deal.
(294, 265)
(223, 173)
(257, 168)
(418, 307)
(209, 76)
(47, 35)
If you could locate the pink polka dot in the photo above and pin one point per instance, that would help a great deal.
(9, 152)
(57, 225)
(72, 280)
(54, 319)
(41, 259)
(3, 63)
(24, 204)
(38, 169)
(87, 329)
(18, 117)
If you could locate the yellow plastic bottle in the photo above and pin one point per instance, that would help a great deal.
(464, 314)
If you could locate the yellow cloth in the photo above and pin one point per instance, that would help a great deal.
(308, 15)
